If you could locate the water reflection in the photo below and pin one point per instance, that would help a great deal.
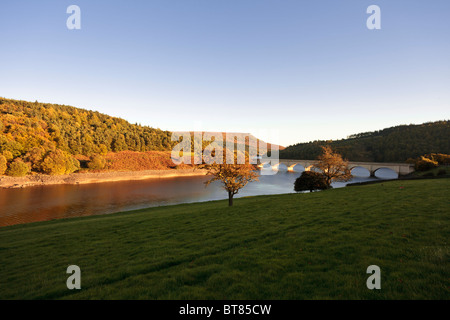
(64, 201)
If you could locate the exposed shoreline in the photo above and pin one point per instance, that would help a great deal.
(95, 177)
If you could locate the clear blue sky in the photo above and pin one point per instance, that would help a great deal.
(307, 69)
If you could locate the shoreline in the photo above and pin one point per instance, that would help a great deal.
(95, 177)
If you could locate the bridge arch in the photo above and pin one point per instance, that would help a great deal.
(385, 173)
(280, 167)
(360, 171)
(297, 167)
(312, 168)
(265, 165)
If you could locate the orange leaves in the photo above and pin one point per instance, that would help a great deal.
(136, 161)
(233, 176)
(333, 167)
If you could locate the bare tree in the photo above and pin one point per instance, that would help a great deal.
(233, 177)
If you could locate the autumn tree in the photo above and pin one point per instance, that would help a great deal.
(310, 180)
(8, 155)
(442, 159)
(98, 162)
(232, 176)
(424, 163)
(59, 162)
(332, 166)
(34, 157)
(3, 164)
(18, 168)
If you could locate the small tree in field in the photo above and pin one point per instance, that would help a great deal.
(332, 166)
(310, 180)
(233, 177)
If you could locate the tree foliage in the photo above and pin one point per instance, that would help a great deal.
(59, 162)
(34, 157)
(232, 176)
(30, 131)
(18, 168)
(424, 163)
(395, 144)
(8, 155)
(332, 166)
(441, 159)
(98, 162)
(3, 164)
(430, 161)
(310, 180)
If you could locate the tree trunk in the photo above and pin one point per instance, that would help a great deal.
(230, 199)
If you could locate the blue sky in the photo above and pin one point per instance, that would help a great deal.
(305, 69)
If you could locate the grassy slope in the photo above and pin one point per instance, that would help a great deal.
(300, 246)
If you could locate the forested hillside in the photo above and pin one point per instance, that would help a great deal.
(25, 125)
(395, 144)
(59, 139)
(49, 138)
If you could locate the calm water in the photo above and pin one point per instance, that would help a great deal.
(64, 201)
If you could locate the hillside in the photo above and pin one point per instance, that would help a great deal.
(241, 141)
(395, 144)
(59, 139)
(24, 125)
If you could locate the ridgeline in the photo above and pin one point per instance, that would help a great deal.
(395, 144)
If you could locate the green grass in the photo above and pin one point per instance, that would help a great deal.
(297, 246)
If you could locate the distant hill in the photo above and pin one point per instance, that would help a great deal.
(396, 144)
(249, 141)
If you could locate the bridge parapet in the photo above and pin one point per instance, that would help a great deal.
(372, 167)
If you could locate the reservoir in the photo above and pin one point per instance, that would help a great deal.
(42, 203)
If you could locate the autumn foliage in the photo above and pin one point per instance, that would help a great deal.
(136, 161)
(48, 138)
(97, 162)
(430, 161)
(3, 164)
(331, 165)
(232, 176)
(18, 168)
(59, 162)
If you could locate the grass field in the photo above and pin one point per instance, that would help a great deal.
(298, 246)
